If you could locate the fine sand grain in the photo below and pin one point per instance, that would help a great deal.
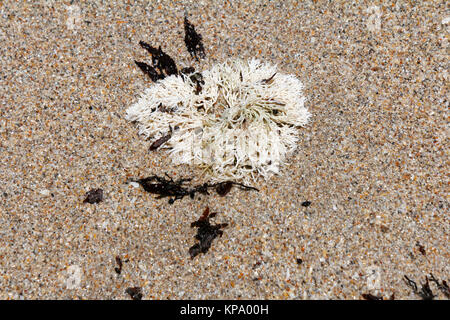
(372, 160)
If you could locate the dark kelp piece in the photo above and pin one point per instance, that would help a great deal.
(421, 249)
(176, 191)
(197, 79)
(306, 203)
(268, 80)
(444, 288)
(425, 292)
(94, 196)
(134, 292)
(155, 145)
(118, 269)
(160, 59)
(206, 233)
(222, 188)
(163, 64)
(164, 188)
(369, 296)
(193, 40)
(187, 71)
(149, 70)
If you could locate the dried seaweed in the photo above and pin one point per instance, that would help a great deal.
(444, 288)
(120, 264)
(206, 233)
(425, 291)
(155, 145)
(222, 188)
(193, 40)
(197, 79)
(369, 296)
(150, 71)
(164, 187)
(268, 80)
(163, 64)
(160, 59)
(134, 292)
(175, 190)
(410, 283)
(187, 71)
(421, 249)
(306, 204)
(94, 196)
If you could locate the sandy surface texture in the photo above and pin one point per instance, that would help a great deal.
(372, 161)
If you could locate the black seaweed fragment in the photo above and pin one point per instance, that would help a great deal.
(134, 292)
(425, 291)
(421, 249)
(176, 191)
(94, 196)
(306, 203)
(155, 145)
(443, 287)
(268, 80)
(160, 59)
(369, 296)
(222, 188)
(120, 264)
(193, 40)
(150, 71)
(206, 233)
(410, 283)
(163, 64)
(197, 79)
(163, 187)
(187, 71)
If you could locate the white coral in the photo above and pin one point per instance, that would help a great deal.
(243, 121)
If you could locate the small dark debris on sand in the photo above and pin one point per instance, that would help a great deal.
(306, 204)
(162, 64)
(175, 189)
(206, 233)
(425, 291)
(149, 71)
(421, 249)
(443, 287)
(94, 196)
(155, 145)
(193, 40)
(134, 292)
(118, 269)
(369, 296)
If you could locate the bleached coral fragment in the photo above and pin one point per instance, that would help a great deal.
(243, 119)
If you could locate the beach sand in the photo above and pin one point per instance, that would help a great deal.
(372, 160)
